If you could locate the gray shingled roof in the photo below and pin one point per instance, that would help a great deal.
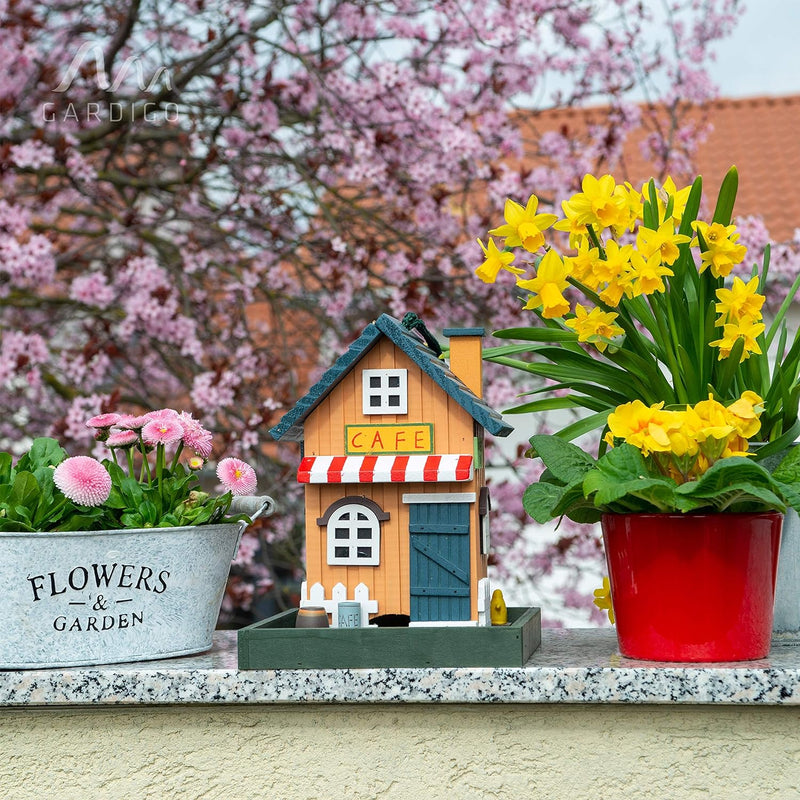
(290, 427)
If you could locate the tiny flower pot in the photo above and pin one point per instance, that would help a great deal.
(103, 597)
(693, 588)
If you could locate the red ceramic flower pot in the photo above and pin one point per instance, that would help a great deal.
(693, 587)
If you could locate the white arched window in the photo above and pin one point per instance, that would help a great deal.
(354, 532)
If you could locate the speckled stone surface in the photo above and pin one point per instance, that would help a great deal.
(572, 666)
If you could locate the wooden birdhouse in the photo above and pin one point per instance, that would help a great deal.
(395, 496)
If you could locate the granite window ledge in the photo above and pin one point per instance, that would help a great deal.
(572, 666)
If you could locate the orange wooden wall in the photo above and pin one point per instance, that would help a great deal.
(325, 435)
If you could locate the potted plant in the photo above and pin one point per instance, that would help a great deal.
(122, 559)
(643, 325)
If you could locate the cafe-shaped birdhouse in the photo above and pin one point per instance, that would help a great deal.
(395, 498)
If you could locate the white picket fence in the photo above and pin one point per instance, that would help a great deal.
(316, 597)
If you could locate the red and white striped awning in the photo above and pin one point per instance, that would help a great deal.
(385, 469)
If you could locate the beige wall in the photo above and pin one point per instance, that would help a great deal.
(398, 752)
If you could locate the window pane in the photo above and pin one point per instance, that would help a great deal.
(364, 533)
(364, 552)
(342, 533)
(361, 516)
(375, 382)
(341, 552)
(394, 400)
(394, 381)
(374, 401)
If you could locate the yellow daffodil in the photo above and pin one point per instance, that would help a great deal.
(547, 286)
(732, 332)
(599, 204)
(647, 276)
(723, 252)
(570, 224)
(633, 204)
(594, 326)
(495, 261)
(664, 241)
(582, 265)
(740, 303)
(680, 196)
(524, 227)
(602, 599)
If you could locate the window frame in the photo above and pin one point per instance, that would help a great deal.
(383, 391)
(333, 522)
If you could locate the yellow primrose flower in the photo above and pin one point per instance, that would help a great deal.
(663, 241)
(547, 286)
(495, 261)
(709, 419)
(523, 225)
(645, 427)
(732, 331)
(723, 253)
(599, 204)
(602, 599)
(647, 276)
(740, 303)
(594, 326)
(745, 413)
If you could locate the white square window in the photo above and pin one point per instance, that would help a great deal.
(385, 391)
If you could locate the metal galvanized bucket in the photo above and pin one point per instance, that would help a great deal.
(104, 597)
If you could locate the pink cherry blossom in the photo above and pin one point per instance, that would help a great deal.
(83, 480)
(236, 476)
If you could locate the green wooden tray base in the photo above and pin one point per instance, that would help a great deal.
(275, 643)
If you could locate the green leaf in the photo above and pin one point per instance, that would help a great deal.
(566, 461)
(585, 425)
(538, 500)
(555, 403)
(727, 197)
(788, 470)
(25, 491)
(534, 335)
(726, 473)
(621, 472)
(6, 462)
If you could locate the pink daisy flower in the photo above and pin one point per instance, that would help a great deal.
(236, 476)
(162, 414)
(195, 435)
(129, 422)
(162, 431)
(122, 439)
(103, 421)
(83, 480)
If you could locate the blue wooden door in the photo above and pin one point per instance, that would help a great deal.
(439, 574)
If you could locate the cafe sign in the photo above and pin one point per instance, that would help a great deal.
(388, 439)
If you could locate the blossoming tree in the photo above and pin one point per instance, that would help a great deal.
(203, 200)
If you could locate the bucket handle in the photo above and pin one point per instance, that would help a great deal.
(253, 506)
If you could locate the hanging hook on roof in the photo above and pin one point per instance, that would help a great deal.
(412, 322)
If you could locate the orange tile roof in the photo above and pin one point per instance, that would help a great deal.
(760, 135)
